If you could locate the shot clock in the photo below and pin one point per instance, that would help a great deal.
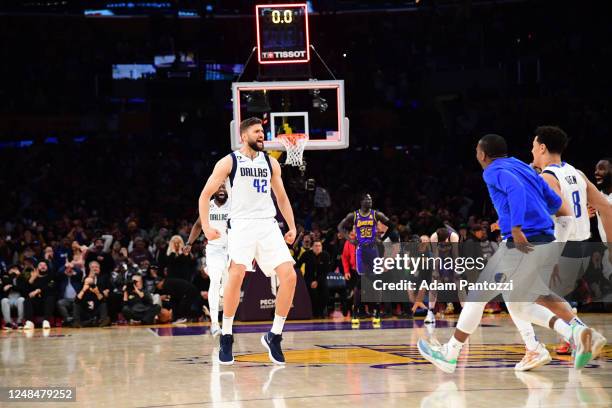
(282, 33)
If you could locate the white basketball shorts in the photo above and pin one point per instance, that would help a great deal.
(258, 239)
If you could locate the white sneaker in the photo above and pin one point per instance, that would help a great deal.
(582, 340)
(430, 318)
(46, 324)
(215, 330)
(598, 341)
(534, 359)
(182, 320)
(28, 325)
(437, 355)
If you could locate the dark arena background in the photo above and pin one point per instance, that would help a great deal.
(113, 115)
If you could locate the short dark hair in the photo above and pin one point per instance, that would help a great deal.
(553, 137)
(608, 159)
(248, 122)
(442, 234)
(494, 145)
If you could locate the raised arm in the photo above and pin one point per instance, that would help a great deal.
(284, 205)
(219, 175)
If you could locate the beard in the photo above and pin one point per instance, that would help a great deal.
(221, 198)
(255, 146)
(606, 182)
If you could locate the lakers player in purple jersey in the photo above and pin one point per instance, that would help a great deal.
(364, 221)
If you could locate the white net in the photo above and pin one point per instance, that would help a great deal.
(294, 145)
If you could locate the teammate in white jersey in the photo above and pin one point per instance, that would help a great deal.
(603, 178)
(253, 232)
(217, 260)
(572, 226)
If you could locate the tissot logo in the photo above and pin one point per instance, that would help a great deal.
(284, 54)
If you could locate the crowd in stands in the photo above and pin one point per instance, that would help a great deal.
(78, 266)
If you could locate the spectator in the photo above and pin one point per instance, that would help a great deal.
(183, 298)
(41, 296)
(101, 281)
(160, 252)
(62, 253)
(180, 262)
(77, 257)
(138, 303)
(118, 253)
(598, 283)
(317, 267)
(104, 259)
(90, 307)
(139, 251)
(349, 258)
(70, 282)
(487, 247)
(14, 292)
(301, 250)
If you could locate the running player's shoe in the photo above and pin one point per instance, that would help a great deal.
(215, 330)
(564, 348)
(437, 355)
(582, 341)
(534, 359)
(430, 318)
(599, 341)
(272, 342)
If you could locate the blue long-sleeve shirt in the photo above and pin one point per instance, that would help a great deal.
(521, 197)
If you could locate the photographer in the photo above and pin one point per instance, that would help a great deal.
(90, 306)
(14, 287)
(137, 303)
(117, 280)
(41, 296)
(69, 283)
(183, 297)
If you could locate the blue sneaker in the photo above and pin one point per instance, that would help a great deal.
(225, 350)
(272, 342)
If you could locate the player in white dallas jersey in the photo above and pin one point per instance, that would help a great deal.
(603, 178)
(217, 260)
(571, 226)
(253, 232)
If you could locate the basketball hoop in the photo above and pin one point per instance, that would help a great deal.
(294, 143)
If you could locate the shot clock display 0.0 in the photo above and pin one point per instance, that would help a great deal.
(282, 33)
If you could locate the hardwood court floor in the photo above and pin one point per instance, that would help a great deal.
(329, 365)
